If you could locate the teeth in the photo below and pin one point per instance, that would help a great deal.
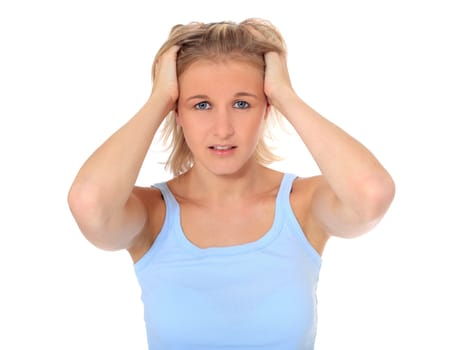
(222, 148)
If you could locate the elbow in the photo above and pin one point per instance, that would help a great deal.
(83, 203)
(85, 207)
(377, 195)
(101, 222)
(374, 199)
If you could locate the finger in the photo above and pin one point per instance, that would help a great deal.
(173, 50)
(170, 53)
(264, 32)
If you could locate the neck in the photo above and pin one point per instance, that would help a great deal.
(203, 185)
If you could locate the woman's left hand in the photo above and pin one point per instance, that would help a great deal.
(277, 83)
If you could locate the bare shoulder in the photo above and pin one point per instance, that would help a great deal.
(153, 201)
(303, 191)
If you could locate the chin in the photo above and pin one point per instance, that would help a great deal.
(227, 167)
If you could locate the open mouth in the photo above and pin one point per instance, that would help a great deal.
(222, 147)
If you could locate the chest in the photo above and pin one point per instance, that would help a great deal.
(228, 225)
(241, 301)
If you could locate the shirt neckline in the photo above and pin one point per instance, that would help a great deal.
(243, 248)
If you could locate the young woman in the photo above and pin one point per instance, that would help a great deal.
(228, 251)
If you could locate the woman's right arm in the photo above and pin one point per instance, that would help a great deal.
(102, 199)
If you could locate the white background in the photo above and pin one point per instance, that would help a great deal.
(391, 73)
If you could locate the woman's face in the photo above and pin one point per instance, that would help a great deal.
(221, 109)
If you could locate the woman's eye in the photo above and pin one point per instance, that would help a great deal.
(202, 105)
(241, 104)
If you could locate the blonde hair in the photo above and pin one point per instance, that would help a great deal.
(248, 41)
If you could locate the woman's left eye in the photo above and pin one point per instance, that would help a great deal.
(241, 104)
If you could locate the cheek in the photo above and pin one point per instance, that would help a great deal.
(192, 130)
(262, 118)
(254, 130)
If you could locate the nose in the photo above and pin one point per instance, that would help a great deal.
(223, 124)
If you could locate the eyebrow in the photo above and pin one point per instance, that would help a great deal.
(239, 94)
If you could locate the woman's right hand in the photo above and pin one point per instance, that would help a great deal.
(165, 83)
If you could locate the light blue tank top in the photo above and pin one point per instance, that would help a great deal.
(258, 295)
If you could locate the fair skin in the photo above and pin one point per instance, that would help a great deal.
(227, 198)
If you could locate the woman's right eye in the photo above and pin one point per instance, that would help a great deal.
(202, 105)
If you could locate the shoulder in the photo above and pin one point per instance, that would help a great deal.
(154, 204)
(152, 199)
(301, 198)
(305, 186)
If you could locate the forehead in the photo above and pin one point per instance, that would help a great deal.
(220, 74)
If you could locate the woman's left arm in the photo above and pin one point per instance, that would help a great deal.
(355, 190)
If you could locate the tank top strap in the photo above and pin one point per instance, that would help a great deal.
(172, 205)
(285, 189)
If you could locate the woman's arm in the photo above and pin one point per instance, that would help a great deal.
(355, 190)
(102, 198)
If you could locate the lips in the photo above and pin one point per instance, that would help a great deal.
(222, 147)
(222, 150)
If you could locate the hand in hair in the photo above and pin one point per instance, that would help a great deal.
(277, 80)
(165, 82)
